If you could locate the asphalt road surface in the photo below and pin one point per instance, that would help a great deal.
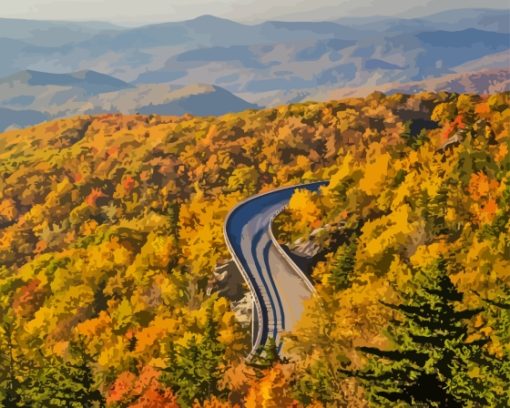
(278, 287)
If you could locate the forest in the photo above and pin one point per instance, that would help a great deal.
(111, 228)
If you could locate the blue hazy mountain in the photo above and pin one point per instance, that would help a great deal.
(51, 33)
(334, 62)
(30, 97)
(129, 53)
(89, 81)
(213, 31)
(483, 19)
(266, 63)
(20, 118)
(141, 52)
(451, 20)
(201, 100)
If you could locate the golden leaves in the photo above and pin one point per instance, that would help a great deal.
(480, 186)
(8, 209)
(443, 112)
(390, 231)
(375, 174)
(95, 326)
(484, 192)
(304, 208)
(123, 228)
(502, 152)
(428, 253)
(123, 315)
(271, 391)
(150, 336)
(345, 170)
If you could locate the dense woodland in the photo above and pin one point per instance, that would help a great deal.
(111, 229)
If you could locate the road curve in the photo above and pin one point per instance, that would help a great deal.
(278, 286)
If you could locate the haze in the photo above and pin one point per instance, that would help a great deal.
(141, 12)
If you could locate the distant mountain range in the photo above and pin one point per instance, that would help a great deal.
(89, 81)
(20, 118)
(155, 68)
(30, 97)
(330, 62)
(482, 82)
(51, 33)
(453, 20)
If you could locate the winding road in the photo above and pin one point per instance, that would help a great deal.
(279, 288)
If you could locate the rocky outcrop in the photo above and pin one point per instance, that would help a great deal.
(243, 309)
(306, 252)
(229, 283)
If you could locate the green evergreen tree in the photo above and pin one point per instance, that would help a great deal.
(195, 370)
(317, 382)
(13, 364)
(173, 216)
(267, 355)
(343, 265)
(10, 385)
(60, 382)
(498, 312)
(413, 135)
(432, 362)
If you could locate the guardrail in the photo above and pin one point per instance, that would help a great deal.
(256, 295)
(255, 299)
(286, 256)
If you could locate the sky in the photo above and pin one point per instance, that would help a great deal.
(146, 11)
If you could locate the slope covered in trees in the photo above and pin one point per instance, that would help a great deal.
(111, 228)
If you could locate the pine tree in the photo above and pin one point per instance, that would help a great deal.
(9, 383)
(498, 311)
(432, 362)
(194, 371)
(173, 216)
(316, 382)
(14, 364)
(343, 267)
(267, 355)
(62, 381)
(415, 133)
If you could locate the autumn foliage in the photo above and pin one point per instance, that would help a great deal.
(108, 245)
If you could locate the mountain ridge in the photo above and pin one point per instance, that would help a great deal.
(268, 62)
(82, 78)
(43, 96)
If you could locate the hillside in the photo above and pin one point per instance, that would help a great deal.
(456, 19)
(19, 118)
(199, 100)
(44, 96)
(332, 60)
(51, 33)
(33, 97)
(111, 231)
(479, 82)
(90, 81)
(55, 69)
